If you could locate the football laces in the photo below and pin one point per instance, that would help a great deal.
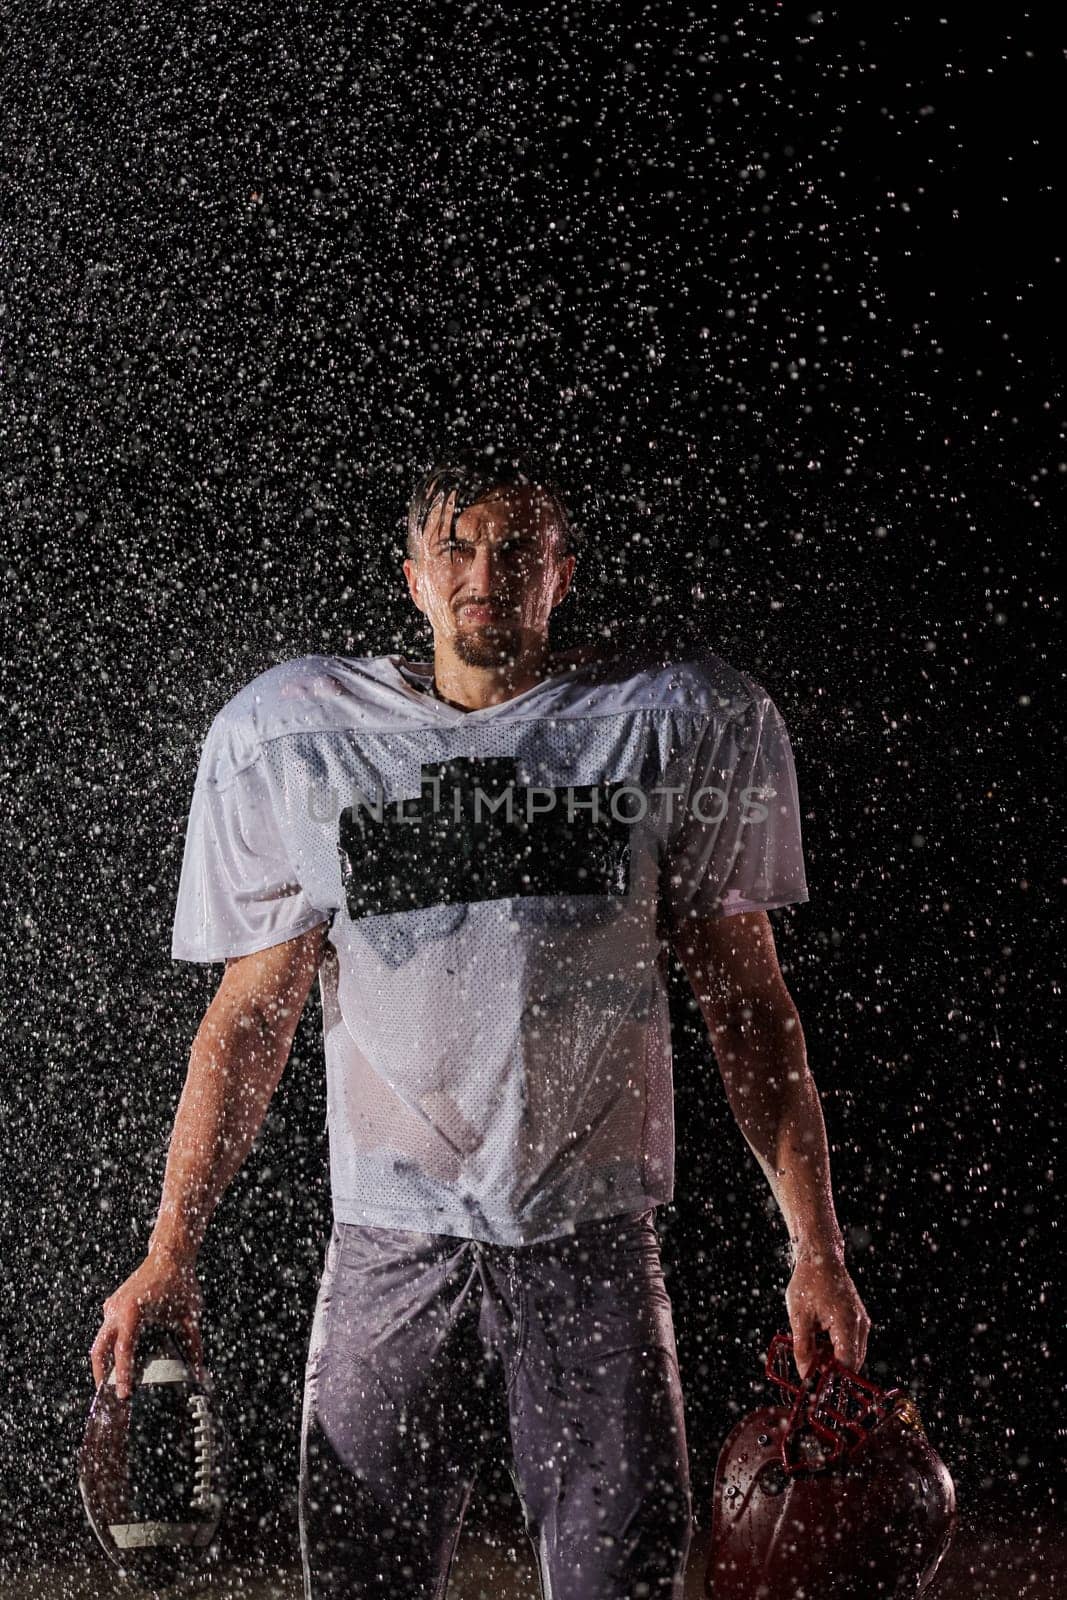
(205, 1449)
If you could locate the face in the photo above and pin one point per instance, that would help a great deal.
(489, 591)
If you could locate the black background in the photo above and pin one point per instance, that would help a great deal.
(778, 288)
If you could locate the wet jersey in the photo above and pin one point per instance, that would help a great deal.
(500, 886)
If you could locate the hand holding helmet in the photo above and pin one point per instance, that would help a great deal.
(821, 1298)
(838, 1493)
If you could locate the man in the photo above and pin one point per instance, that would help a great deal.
(485, 862)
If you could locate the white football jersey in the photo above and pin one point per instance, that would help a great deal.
(500, 886)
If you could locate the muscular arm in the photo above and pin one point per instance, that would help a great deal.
(732, 965)
(236, 1063)
(237, 1059)
(758, 1042)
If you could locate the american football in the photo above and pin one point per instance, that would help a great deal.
(151, 1466)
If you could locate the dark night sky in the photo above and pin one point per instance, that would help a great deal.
(779, 287)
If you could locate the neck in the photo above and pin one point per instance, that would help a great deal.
(470, 687)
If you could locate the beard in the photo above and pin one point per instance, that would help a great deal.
(491, 644)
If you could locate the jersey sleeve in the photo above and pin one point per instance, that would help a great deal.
(237, 892)
(736, 844)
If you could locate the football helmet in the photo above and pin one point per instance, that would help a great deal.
(151, 1466)
(835, 1495)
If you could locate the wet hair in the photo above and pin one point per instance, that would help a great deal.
(472, 475)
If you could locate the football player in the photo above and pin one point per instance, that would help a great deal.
(485, 859)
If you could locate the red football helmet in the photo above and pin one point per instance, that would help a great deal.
(838, 1495)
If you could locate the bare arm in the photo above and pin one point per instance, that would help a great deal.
(758, 1041)
(236, 1062)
